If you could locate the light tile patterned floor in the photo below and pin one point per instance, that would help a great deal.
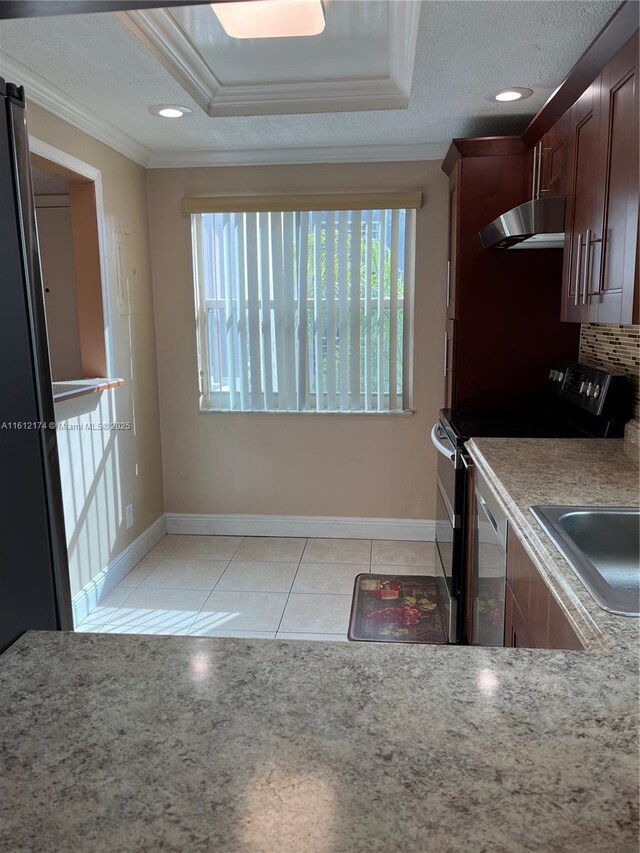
(266, 587)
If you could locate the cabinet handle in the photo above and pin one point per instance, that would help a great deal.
(448, 283)
(589, 241)
(446, 353)
(585, 271)
(533, 176)
(576, 295)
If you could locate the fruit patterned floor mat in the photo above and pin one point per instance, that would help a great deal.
(396, 609)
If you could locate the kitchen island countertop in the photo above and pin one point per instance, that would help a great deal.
(137, 743)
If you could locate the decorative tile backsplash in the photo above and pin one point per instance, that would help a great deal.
(614, 348)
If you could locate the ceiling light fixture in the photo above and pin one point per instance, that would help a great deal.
(169, 110)
(515, 93)
(263, 19)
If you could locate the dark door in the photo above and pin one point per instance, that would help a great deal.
(34, 583)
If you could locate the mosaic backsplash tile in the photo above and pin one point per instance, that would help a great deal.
(614, 348)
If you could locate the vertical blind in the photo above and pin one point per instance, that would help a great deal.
(303, 310)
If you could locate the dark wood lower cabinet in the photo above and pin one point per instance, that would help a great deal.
(533, 618)
(516, 631)
(561, 634)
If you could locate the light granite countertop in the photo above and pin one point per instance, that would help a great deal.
(114, 744)
(523, 472)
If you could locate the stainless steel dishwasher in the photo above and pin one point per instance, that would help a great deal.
(488, 566)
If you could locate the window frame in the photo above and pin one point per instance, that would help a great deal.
(213, 401)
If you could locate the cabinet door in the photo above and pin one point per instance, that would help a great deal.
(449, 362)
(508, 617)
(538, 616)
(519, 571)
(613, 300)
(517, 634)
(453, 243)
(561, 634)
(582, 221)
(535, 619)
(553, 179)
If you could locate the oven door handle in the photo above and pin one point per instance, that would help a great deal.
(436, 436)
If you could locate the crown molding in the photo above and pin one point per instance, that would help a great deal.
(294, 156)
(171, 45)
(41, 92)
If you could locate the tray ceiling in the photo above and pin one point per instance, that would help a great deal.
(93, 72)
(362, 61)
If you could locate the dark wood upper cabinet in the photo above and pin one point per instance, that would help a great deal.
(613, 299)
(600, 257)
(499, 301)
(450, 296)
(581, 216)
(508, 319)
(553, 159)
(549, 161)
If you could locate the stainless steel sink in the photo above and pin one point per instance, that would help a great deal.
(602, 546)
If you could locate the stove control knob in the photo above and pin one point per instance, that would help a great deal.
(596, 392)
(581, 389)
(587, 393)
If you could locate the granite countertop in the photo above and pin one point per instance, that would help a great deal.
(136, 743)
(523, 472)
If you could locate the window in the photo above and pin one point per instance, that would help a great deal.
(303, 311)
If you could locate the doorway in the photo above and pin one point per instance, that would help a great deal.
(66, 216)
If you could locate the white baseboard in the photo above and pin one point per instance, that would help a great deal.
(85, 600)
(321, 527)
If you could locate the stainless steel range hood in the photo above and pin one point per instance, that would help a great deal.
(536, 224)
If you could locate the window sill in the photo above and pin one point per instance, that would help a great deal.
(399, 414)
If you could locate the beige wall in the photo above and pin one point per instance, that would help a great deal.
(359, 465)
(101, 473)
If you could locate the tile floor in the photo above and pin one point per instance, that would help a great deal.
(230, 586)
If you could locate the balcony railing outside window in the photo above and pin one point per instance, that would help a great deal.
(303, 311)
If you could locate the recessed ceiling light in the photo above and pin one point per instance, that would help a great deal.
(263, 19)
(515, 93)
(169, 110)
